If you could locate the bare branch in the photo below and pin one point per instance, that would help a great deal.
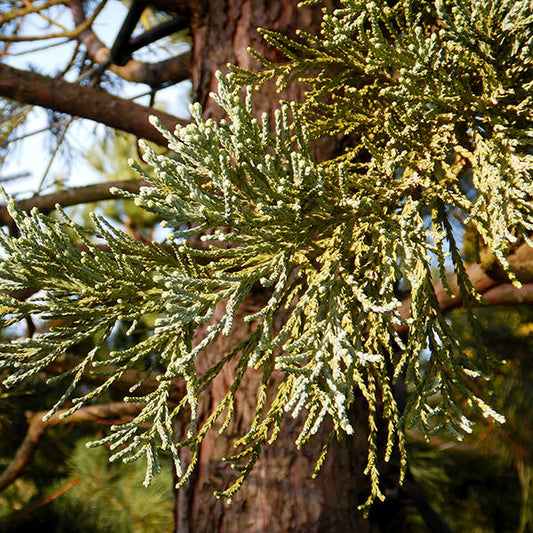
(16, 176)
(12, 15)
(58, 143)
(506, 294)
(489, 276)
(170, 70)
(489, 281)
(95, 192)
(188, 8)
(72, 34)
(57, 124)
(84, 102)
(119, 411)
(46, 46)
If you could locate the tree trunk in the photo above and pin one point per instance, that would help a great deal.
(279, 495)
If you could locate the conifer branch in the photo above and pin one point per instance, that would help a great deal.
(124, 384)
(65, 488)
(119, 412)
(439, 125)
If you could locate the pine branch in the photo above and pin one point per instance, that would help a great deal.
(119, 411)
(84, 102)
(65, 488)
(326, 243)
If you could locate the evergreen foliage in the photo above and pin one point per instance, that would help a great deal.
(89, 494)
(435, 100)
(106, 494)
(13, 116)
(507, 334)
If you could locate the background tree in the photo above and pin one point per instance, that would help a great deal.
(220, 33)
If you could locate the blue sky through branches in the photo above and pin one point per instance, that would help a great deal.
(33, 153)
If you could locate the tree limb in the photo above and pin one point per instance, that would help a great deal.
(506, 294)
(85, 102)
(95, 192)
(489, 281)
(487, 278)
(187, 8)
(172, 70)
(36, 427)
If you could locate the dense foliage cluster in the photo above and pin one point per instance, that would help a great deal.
(434, 99)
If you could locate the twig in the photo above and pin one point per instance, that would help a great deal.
(173, 70)
(70, 61)
(58, 124)
(6, 17)
(38, 48)
(51, 22)
(48, 499)
(13, 177)
(60, 140)
(72, 34)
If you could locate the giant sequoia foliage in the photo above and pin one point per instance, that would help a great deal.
(434, 101)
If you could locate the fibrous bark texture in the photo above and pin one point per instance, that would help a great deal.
(279, 495)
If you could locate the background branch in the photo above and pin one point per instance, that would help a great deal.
(33, 8)
(95, 192)
(174, 69)
(84, 102)
(58, 35)
(36, 427)
(128, 379)
(490, 281)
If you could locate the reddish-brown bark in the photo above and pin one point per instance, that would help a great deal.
(280, 495)
(84, 102)
(224, 35)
